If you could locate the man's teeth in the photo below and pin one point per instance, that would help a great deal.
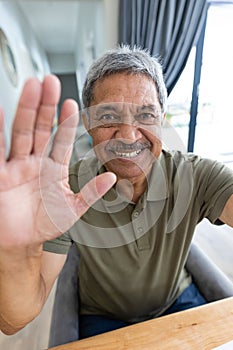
(128, 154)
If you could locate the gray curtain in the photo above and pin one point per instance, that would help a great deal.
(167, 28)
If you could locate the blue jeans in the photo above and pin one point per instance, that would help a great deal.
(90, 325)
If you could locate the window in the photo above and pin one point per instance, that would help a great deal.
(215, 113)
(179, 101)
(214, 127)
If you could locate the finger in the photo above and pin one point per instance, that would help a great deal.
(23, 126)
(65, 135)
(2, 141)
(64, 209)
(51, 90)
(93, 191)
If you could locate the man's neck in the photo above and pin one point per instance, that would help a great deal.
(132, 190)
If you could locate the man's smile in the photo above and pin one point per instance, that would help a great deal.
(123, 150)
(128, 154)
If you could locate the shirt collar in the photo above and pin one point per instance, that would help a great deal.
(157, 190)
(158, 187)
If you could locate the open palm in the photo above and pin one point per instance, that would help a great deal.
(36, 203)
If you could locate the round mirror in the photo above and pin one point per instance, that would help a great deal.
(8, 58)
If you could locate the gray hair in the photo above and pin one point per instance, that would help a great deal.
(131, 61)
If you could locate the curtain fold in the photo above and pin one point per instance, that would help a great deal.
(167, 28)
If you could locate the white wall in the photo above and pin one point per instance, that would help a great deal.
(26, 49)
(62, 62)
(97, 32)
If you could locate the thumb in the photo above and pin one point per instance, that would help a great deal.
(93, 191)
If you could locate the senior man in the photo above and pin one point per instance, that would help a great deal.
(132, 224)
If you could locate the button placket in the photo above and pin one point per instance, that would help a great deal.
(142, 239)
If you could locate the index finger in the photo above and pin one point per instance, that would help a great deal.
(65, 134)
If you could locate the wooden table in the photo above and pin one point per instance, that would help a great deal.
(204, 327)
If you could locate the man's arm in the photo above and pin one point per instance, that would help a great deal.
(227, 213)
(28, 279)
(36, 202)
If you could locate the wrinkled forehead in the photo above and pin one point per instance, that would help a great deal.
(122, 87)
(124, 108)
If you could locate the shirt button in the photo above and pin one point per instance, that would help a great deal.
(140, 229)
(135, 214)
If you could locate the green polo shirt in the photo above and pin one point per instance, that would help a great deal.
(132, 256)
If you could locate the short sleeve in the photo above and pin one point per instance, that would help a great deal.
(217, 187)
(58, 245)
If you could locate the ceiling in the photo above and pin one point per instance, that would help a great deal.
(72, 32)
(56, 23)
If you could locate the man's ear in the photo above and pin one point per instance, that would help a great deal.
(86, 121)
(164, 119)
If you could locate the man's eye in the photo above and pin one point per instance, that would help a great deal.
(108, 119)
(147, 118)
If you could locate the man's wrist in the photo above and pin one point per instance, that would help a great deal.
(19, 256)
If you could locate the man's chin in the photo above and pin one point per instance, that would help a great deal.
(126, 168)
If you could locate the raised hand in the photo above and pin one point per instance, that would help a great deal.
(36, 203)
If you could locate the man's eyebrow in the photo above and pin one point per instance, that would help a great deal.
(117, 108)
(107, 107)
(152, 108)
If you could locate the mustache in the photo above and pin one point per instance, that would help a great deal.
(120, 146)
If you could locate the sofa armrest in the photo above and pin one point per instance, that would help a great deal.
(65, 319)
(209, 278)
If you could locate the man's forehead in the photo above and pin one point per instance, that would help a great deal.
(132, 88)
(120, 106)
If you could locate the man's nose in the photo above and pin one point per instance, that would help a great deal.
(128, 132)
